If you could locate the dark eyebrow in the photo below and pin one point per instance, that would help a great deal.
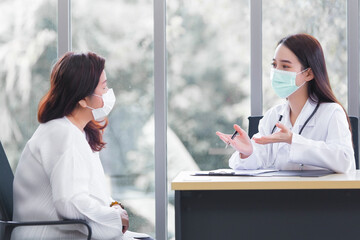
(283, 61)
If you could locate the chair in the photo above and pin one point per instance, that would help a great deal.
(254, 125)
(354, 122)
(6, 204)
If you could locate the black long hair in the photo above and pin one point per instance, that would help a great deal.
(310, 54)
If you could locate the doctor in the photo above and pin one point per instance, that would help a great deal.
(311, 130)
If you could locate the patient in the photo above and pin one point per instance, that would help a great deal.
(59, 175)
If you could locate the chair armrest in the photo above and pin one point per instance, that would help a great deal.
(14, 224)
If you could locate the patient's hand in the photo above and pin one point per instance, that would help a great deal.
(124, 219)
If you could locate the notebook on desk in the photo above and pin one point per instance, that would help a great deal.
(265, 173)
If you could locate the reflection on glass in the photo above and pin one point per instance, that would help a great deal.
(122, 32)
(208, 82)
(325, 20)
(28, 38)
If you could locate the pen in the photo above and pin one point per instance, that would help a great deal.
(232, 137)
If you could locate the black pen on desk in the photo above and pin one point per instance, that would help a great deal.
(232, 137)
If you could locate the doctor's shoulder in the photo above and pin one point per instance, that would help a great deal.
(327, 109)
(331, 113)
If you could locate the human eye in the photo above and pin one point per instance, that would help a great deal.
(104, 85)
(273, 64)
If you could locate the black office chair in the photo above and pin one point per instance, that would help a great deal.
(6, 204)
(254, 128)
(355, 137)
(254, 125)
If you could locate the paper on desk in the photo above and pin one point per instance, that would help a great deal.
(231, 172)
(299, 173)
(134, 235)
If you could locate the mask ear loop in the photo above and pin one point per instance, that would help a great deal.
(99, 95)
(95, 96)
(301, 73)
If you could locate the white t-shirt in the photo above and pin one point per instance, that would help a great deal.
(60, 177)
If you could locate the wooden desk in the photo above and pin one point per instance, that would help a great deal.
(216, 207)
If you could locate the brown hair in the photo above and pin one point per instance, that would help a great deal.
(73, 77)
(310, 54)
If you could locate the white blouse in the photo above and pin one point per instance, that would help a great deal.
(324, 143)
(60, 177)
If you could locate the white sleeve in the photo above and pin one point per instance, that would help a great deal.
(335, 153)
(252, 162)
(70, 180)
(261, 156)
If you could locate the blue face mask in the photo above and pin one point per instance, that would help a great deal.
(284, 82)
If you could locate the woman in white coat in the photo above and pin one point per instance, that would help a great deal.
(310, 131)
(59, 175)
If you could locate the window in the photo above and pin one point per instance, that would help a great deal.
(208, 67)
(28, 40)
(208, 48)
(122, 32)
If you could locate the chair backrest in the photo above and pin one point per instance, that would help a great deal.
(254, 125)
(354, 121)
(355, 137)
(6, 187)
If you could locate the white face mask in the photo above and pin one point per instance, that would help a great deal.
(109, 102)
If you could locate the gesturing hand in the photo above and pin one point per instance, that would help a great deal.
(284, 135)
(241, 142)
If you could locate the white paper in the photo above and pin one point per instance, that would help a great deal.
(231, 172)
(134, 235)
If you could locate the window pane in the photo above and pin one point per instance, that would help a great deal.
(28, 39)
(208, 82)
(122, 32)
(325, 20)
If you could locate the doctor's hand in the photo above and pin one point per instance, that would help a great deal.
(241, 142)
(284, 135)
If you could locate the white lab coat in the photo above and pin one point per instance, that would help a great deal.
(324, 143)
